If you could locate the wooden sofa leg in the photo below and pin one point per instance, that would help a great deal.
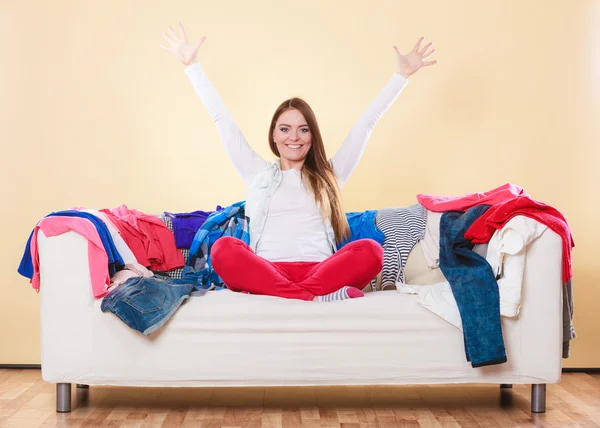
(505, 385)
(81, 385)
(63, 397)
(538, 398)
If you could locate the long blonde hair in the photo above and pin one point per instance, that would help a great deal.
(317, 172)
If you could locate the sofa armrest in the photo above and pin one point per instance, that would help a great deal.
(540, 319)
(66, 305)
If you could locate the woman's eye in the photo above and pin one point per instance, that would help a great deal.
(305, 130)
(283, 129)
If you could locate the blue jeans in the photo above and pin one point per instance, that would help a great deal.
(145, 304)
(474, 287)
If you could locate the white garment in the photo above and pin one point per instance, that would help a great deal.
(294, 230)
(437, 298)
(259, 201)
(506, 255)
(120, 244)
(431, 241)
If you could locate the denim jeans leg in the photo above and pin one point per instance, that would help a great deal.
(474, 287)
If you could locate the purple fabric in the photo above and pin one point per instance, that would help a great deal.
(185, 225)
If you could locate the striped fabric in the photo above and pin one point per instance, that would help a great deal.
(403, 229)
(341, 294)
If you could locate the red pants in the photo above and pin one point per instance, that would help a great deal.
(242, 270)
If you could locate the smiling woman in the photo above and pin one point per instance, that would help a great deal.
(294, 203)
(291, 135)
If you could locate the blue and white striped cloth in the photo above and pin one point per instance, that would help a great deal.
(403, 229)
(229, 221)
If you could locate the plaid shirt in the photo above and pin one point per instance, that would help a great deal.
(229, 221)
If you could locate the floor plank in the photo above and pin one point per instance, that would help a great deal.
(27, 401)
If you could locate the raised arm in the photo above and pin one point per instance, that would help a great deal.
(347, 157)
(244, 158)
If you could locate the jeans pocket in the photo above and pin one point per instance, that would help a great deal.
(146, 300)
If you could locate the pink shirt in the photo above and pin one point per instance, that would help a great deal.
(463, 203)
(97, 257)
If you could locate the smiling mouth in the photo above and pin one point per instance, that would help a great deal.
(294, 146)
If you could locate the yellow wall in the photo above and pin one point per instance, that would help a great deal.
(93, 113)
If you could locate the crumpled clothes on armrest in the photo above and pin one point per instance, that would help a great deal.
(506, 255)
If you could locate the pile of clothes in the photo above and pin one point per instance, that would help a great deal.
(118, 239)
(483, 282)
(145, 266)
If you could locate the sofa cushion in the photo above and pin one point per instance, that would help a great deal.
(417, 271)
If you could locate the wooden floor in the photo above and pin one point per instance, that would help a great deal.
(27, 401)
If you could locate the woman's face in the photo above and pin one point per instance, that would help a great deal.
(292, 136)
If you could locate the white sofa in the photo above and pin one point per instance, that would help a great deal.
(232, 339)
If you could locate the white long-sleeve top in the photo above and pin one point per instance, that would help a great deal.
(294, 229)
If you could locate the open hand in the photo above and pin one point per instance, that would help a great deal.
(180, 47)
(410, 63)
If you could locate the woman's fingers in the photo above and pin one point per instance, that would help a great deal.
(431, 52)
(418, 44)
(422, 51)
(183, 32)
(200, 43)
(168, 39)
(173, 34)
